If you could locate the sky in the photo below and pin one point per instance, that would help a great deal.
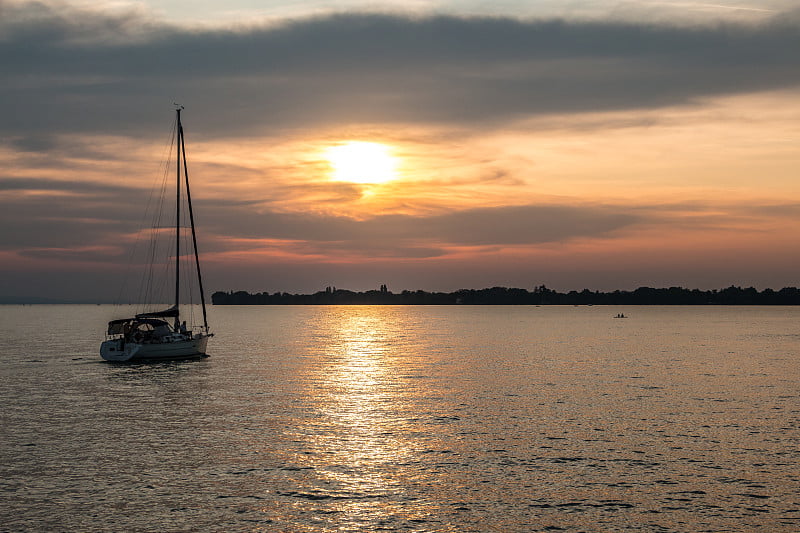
(431, 145)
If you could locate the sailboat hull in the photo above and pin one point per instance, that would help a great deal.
(118, 351)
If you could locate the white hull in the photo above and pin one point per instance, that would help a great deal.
(115, 350)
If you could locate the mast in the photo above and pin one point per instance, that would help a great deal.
(179, 133)
(191, 221)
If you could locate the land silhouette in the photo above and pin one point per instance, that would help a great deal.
(540, 295)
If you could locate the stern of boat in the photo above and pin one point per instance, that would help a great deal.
(117, 350)
(200, 342)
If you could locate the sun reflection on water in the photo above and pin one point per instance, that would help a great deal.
(361, 394)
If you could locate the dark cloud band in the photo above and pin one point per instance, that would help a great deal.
(83, 71)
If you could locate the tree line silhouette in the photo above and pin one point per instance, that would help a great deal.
(540, 295)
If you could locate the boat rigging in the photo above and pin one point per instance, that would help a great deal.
(150, 335)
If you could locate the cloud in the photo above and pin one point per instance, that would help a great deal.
(77, 254)
(50, 216)
(33, 143)
(46, 218)
(787, 211)
(480, 229)
(60, 186)
(419, 236)
(48, 213)
(85, 71)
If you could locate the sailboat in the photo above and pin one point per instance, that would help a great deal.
(157, 335)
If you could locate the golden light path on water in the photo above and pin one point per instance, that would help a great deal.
(360, 394)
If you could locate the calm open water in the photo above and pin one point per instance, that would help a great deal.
(408, 419)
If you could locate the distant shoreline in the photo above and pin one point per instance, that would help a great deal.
(513, 296)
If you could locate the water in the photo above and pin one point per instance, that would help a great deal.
(408, 419)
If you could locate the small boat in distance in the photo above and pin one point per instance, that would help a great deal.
(158, 335)
(620, 315)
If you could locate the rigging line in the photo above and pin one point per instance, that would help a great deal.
(168, 144)
(154, 287)
(148, 289)
(161, 250)
(134, 250)
(155, 264)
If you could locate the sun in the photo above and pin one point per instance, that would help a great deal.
(361, 162)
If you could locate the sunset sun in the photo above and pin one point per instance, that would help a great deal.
(361, 162)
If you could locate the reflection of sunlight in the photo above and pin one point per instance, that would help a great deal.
(360, 387)
(362, 401)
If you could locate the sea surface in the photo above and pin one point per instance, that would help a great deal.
(409, 418)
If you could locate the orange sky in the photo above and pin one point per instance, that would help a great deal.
(689, 182)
